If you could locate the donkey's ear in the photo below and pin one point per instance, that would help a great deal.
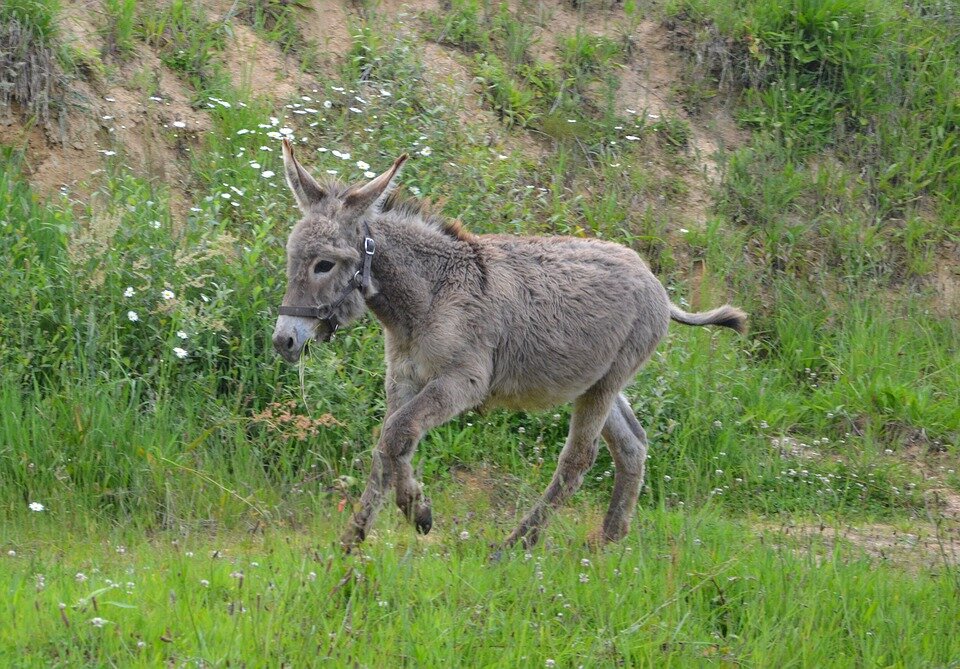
(305, 188)
(375, 192)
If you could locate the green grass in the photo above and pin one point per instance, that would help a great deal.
(688, 588)
(186, 40)
(119, 31)
(835, 409)
(39, 15)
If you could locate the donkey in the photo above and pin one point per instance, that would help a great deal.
(477, 321)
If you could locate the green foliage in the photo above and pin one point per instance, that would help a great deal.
(277, 21)
(465, 25)
(517, 36)
(510, 99)
(187, 42)
(584, 55)
(119, 31)
(39, 15)
(874, 81)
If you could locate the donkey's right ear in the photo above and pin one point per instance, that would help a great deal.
(305, 188)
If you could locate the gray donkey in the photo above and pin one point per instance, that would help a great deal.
(478, 321)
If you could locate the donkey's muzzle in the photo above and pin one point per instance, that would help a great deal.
(291, 334)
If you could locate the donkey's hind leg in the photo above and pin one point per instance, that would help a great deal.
(627, 443)
(578, 455)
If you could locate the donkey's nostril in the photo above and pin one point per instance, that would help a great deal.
(289, 343)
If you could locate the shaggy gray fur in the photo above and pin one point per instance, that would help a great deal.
(482, 321)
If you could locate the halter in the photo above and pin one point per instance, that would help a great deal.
(359, 281)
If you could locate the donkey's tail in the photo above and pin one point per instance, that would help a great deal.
(727, 316)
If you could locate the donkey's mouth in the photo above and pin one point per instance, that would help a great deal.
(323, 334)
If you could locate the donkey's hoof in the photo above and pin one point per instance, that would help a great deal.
(424, 520)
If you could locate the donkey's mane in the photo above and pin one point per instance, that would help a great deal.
(423, 210)
(419, 209)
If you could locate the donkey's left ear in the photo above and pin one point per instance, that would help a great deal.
(375, 192)
(305, 188)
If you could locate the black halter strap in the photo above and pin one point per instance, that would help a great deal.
(359, 281)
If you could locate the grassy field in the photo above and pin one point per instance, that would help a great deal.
(170, 492)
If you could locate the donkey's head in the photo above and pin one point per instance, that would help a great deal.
(325, 255)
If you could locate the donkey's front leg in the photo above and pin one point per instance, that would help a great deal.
(440, 400)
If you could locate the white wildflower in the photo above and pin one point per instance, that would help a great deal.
(98, 621)
(36, 506)
(181, 334)
(129, 291)
(132, 316)
(179, 124)
(362, 165)
(167, 294)
(267, 174)
(179, 352)
(426, 151)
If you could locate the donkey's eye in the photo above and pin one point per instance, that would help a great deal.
(322, 267)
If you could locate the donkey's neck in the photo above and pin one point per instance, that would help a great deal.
(413, 265)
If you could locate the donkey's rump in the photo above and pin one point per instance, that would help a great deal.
(570, 308)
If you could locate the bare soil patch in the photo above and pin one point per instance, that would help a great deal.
(140, 112)
(327, 22)
(258, 66)
(918, 545)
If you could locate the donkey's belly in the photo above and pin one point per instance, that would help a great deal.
(535, 396)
